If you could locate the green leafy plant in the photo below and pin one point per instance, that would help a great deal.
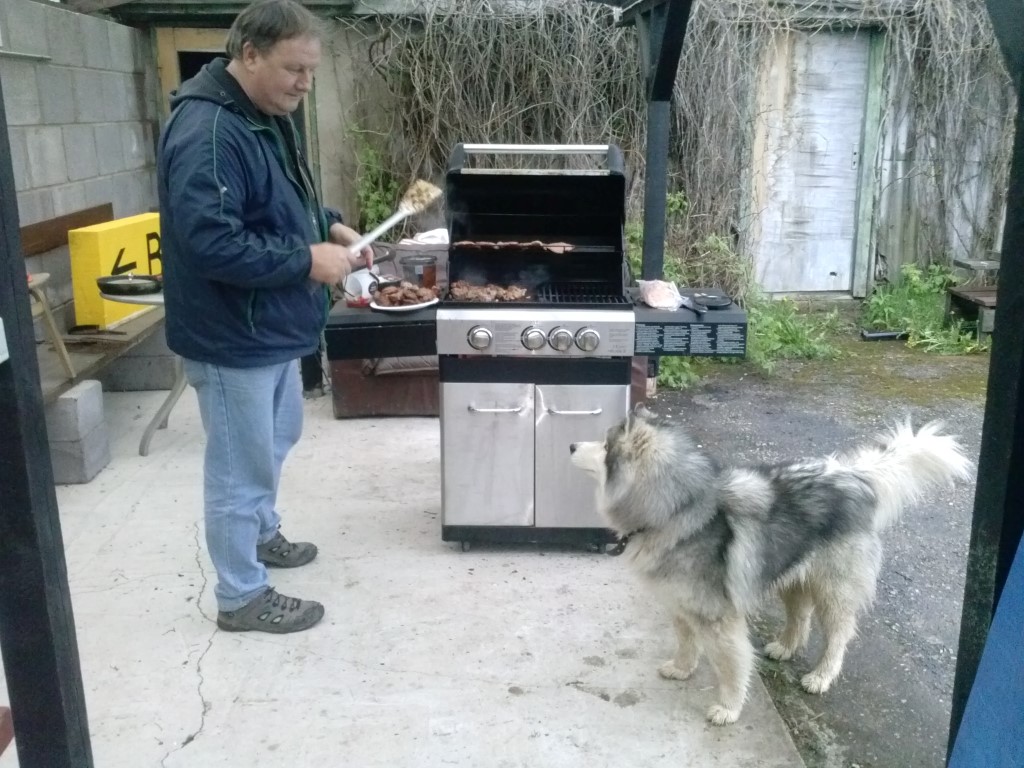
(677, 372)
(377, 189)
(778, 331)
(958, 338)
(915, 305)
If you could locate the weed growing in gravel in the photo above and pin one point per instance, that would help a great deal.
(779, 331)
(915, 305)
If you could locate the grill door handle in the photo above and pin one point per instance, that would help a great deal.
(474, 409)
(595, 412)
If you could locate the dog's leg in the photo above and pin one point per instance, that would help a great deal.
(839, 625)
(729, 650)
(799, 607)
(684, 663)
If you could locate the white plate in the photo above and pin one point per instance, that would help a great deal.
(406, 308)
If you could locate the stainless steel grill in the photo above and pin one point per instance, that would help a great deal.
(522, 380)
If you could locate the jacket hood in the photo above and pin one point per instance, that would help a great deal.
(214, 83)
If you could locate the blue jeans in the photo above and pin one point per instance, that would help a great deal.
(252, 418)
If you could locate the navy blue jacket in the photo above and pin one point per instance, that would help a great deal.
(235, 230)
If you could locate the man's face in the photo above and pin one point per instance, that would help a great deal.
(280, 78)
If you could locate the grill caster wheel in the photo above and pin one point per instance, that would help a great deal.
(464, 546)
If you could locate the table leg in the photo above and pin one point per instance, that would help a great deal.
(160, 420)
(54, 331)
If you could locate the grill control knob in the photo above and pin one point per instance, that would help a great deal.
(533, 338)
(560, 339)
(587, 339)
(479, 337)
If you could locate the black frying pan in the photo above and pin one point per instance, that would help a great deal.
(128, 285)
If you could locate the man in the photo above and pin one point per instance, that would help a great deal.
(249, 255)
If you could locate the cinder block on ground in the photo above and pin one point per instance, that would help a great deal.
(79, 461)
(76, 413)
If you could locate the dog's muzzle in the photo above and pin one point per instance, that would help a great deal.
(572, 448)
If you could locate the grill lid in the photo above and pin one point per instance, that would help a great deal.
(551, 193)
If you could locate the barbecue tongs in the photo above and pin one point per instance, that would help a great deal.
(693, 306)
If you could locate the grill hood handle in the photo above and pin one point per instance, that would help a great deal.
(612, 153)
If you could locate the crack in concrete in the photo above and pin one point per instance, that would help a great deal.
(202, 572)
(199, 662)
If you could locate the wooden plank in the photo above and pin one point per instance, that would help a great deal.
(985, 297)
(91, 6)
(53, 233)
(37, 624)
(168, 72)
(864, 239)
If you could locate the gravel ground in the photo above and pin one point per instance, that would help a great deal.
(890, 707)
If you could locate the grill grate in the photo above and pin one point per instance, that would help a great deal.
(579, 293)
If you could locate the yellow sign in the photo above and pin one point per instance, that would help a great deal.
(119, 247)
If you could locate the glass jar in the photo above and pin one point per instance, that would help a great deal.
(420, 269)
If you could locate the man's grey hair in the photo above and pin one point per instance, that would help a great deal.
(267, 22)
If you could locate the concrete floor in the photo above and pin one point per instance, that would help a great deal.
(428, 656)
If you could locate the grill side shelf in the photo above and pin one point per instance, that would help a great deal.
(682, 333)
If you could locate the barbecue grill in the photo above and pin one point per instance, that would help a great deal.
(522, 379)
(535, 333)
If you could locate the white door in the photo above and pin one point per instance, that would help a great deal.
(810, 121)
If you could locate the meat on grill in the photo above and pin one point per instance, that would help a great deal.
(464, 291)
(553, 247)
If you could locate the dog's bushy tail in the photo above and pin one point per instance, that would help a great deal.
(905, 466)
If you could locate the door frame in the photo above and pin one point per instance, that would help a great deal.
(170, 41)
(865, 235)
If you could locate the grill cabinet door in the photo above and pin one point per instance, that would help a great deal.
(567, 414)
(487, 454)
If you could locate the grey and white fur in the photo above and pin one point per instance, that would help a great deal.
(713, 541)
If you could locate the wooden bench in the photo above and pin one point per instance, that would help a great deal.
(77, 356)
(975, 305)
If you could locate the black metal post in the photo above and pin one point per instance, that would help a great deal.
(999, 498)
(37, 630)
(659, 115)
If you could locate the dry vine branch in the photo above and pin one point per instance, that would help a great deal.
(561, 71)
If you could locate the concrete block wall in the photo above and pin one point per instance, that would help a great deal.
(148, 366)
(77, 432)
(81, 97)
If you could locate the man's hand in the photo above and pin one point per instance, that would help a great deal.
(343, 235)
(332, 263)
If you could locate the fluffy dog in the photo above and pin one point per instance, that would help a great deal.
(712, 542)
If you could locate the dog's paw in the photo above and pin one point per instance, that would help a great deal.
(670, 671)
(815, 682)
(719, 714)
(779, 652)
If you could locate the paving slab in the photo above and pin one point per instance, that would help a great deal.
(427, 656)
